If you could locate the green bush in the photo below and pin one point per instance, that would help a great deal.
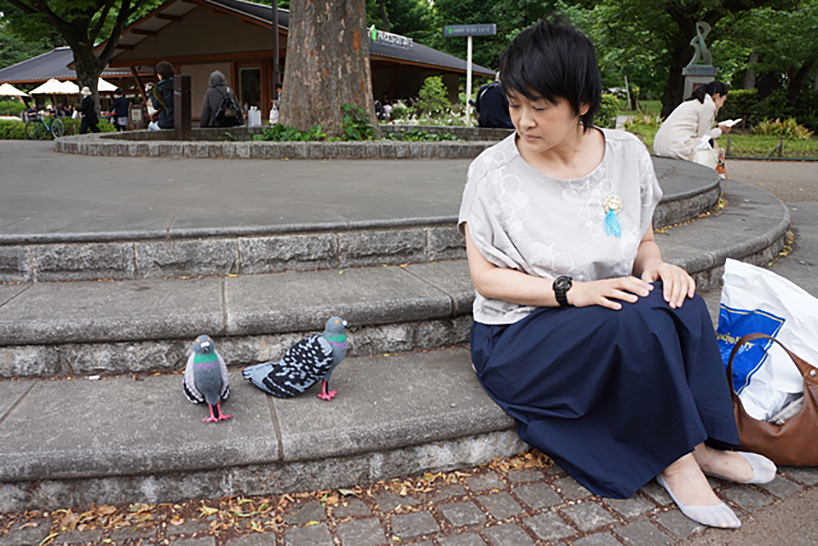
(418, 135)
(806, 108)
(11, 129)
(356, 124)
(433, 97)
(608, 110)
(740, 103)
(775, 105)
(287, 133)
(11, 107)
(789, 128)
(398, 112)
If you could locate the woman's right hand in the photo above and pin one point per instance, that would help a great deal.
(606, 292)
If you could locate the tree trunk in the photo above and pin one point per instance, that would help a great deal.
(89, 69)
(384, 16)
(750, 74)
(681, 53)
(327, 64)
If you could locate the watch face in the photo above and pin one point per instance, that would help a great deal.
(562, 283)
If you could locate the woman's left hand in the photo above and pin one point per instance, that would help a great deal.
(677, 283)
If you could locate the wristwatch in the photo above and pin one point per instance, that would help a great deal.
(561, 287)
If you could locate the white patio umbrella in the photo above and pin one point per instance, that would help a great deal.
(51, 87)
(70, 88)
(105, 87)
(8, 90)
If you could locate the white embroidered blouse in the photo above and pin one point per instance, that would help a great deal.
(522, 219)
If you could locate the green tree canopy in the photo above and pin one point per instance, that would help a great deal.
(82, 24)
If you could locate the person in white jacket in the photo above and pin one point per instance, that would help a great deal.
(690, 121)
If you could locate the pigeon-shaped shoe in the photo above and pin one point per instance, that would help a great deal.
(312, 359)
(206, 378)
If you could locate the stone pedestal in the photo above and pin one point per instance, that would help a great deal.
(695, 76)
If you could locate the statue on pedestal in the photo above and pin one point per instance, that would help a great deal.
(701, 52)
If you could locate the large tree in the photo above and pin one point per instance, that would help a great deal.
(14, 49)
(777, 42)
(327, 64)
(665, 29)
(82, 24)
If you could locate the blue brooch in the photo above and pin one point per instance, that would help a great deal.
(613, 206)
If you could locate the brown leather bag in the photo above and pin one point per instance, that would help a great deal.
(793, 443)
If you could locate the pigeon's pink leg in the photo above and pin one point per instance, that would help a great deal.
(213, 418)
(222, 417)
(326, 395)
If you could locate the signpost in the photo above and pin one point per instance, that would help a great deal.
(456, 31)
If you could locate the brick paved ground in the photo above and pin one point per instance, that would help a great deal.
(511, 502)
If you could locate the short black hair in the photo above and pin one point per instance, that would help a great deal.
(553, 60)
(165, 69)
(710, 88)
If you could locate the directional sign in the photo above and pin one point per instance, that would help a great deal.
(454, 31)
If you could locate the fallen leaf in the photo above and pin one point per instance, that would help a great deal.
(207, 511)
(311, 523)
(49, 538)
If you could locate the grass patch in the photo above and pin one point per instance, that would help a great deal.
(744, 145)
(650, 107)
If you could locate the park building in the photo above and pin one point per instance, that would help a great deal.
(236, 37)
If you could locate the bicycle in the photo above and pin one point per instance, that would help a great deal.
(38, 128)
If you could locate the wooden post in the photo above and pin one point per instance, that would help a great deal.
(276, 78)
(781, 148)
(181, 106)
(729, 143)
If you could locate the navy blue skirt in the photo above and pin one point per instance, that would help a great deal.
(613, 397)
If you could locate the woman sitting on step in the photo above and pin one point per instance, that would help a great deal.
(684, 128)
(602, 352)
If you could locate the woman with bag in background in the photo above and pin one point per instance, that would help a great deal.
(601, 352)
(683, 130)
(213, 99)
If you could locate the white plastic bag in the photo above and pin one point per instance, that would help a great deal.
(704, 154)
(254, 117)
(756, 300)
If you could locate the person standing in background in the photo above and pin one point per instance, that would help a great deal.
(88, 110)
(120, 110)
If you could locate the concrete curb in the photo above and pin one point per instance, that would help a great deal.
(63, 329)
(57, 450)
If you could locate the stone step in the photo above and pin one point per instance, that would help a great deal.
(87, 328)
(177, 242)
(73, 443)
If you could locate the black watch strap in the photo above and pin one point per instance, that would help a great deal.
(561, 287)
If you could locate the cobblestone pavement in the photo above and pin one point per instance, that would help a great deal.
(511, 502)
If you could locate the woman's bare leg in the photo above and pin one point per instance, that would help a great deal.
(688, 483)
(727, 464)
(735, 465)
(688, 487)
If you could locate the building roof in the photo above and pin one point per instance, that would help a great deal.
(412, 52)
(53, 64)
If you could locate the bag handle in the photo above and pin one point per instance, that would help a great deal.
(804, 367)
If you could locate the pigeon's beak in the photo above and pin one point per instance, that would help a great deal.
(205, 345)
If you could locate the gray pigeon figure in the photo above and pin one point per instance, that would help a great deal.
(206, 378)
(312, 359)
